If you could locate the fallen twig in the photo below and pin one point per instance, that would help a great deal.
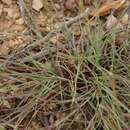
(27, 16)
(46, 38)
(108, 6)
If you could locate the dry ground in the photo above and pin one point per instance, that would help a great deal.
(64, 65)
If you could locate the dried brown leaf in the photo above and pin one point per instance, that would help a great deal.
(108, 6)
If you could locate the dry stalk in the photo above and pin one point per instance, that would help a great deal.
(50, 34)
(28, 19)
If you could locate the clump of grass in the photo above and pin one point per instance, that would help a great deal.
(83, 86)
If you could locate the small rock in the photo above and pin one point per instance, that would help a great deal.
(69, 4)
(111, 22)
(54, 40)
(57, 6)
(12, 12)
(17, 28)
(4, 50)
(37, 5)
(19, 21)
(48, 28)
(6, 104)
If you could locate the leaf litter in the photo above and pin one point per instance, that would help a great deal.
(20, 35)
